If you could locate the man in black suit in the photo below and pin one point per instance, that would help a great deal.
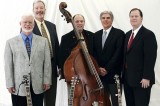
(50, 29)
(108, 51)
(140, 57)
(69, 40)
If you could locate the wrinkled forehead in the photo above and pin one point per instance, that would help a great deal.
(78, 18)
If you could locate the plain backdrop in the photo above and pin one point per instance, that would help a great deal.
(11, 11)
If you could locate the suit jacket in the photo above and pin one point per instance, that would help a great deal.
(111, 56)
(69, 41)
(54, 42)
(17, 64)
(140, 58)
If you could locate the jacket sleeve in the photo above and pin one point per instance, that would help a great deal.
(47, 65)
(150, 54)
(9, 68)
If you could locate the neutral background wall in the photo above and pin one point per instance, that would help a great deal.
(11, 11)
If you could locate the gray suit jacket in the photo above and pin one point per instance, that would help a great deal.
(18, 64)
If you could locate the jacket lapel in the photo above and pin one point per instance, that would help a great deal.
(136, 39)
(22, 46)
(110, 36)
(127, 39)
(34, 46)
(99, 39)
(36, 29)
(108, 39)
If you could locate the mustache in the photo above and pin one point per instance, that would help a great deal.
(40, 12)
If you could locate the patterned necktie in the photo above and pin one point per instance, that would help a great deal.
(104, 38)
(44, 34)
(28, 47)
(130, 41)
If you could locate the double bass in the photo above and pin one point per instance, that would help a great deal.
(81, 72)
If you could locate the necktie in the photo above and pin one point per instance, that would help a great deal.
(130, 41)
(28, 47)
(44, 34)
(104, 38)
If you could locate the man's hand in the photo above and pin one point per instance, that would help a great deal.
(11, 90)
(103, 71)
(46, 86)
(145, 83)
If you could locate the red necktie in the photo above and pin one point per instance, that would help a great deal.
(130, 41)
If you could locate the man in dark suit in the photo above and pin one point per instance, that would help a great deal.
(50, 29)
(108, 51)
(69, 40)
(140, 56)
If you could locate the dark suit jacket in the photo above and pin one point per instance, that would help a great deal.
(55, 43)
(111, 56)
(69, 41)
(140, 58)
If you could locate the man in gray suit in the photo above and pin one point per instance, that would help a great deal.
(19, 61)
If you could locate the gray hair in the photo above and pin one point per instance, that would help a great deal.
(107, 12)
(27, 14)
(36, 1)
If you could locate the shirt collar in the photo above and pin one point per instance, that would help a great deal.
(136, 31)
(24, 36)
(108, 30)
(38, 22)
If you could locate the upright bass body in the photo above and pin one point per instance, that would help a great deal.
(85, 93)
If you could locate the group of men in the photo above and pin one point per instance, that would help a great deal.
(131, 55)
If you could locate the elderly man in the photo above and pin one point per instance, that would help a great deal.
(27, 55)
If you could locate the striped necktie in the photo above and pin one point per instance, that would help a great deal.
(44, 34)
(28, 47)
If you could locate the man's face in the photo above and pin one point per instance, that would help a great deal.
(135, 19)
(27, 24)
(106, 21)
(39, 11)
(79, 22)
